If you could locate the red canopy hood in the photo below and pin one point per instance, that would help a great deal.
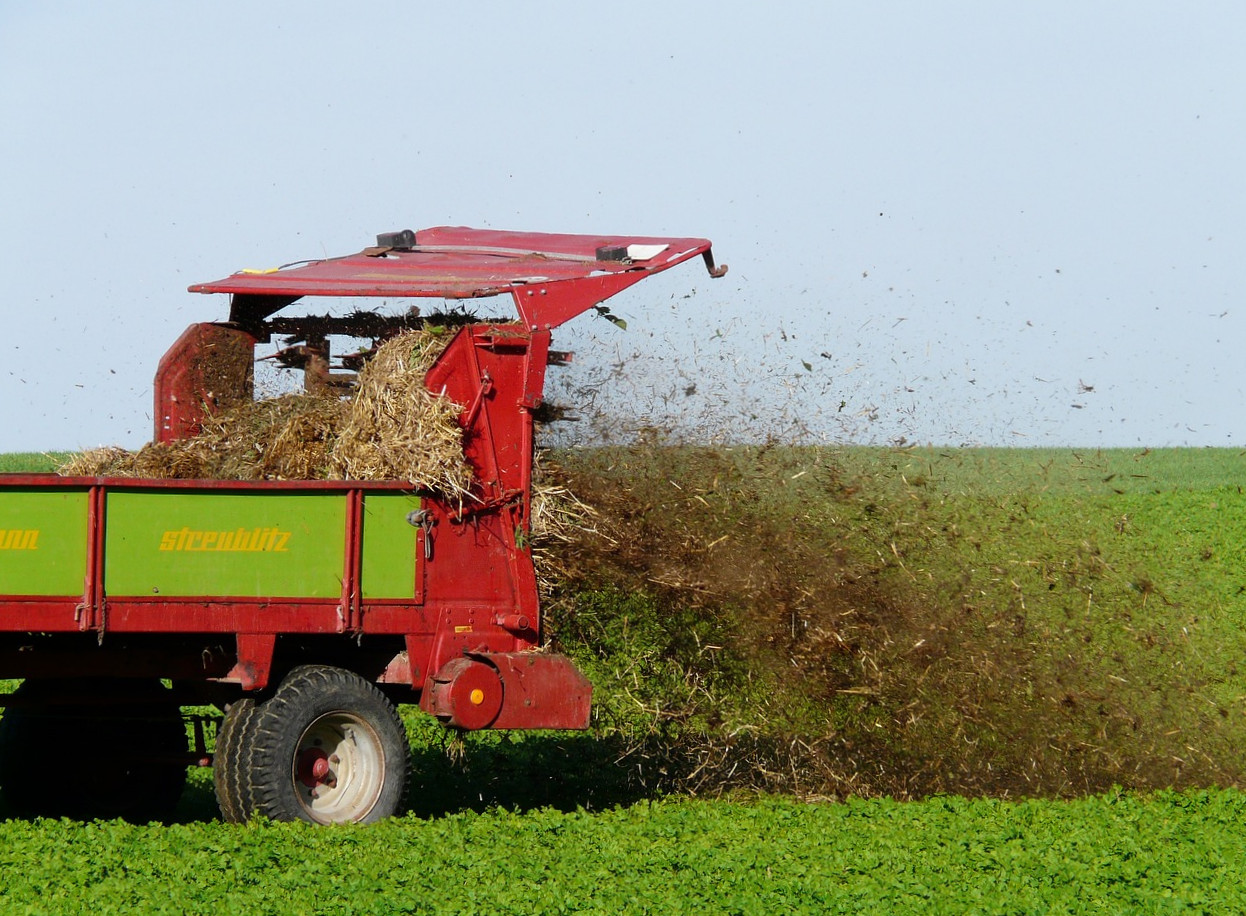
(552, 277)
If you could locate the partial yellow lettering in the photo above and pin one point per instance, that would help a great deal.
(270, 540)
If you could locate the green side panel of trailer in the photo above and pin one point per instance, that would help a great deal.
(43, 542)
(389, 546)
(262, 545)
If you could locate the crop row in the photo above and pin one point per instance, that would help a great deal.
(1114, 853)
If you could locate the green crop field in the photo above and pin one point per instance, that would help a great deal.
(28, 462)
(1165, 853)
(883, 680)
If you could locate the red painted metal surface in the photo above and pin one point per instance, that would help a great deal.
(508, 690)
(465, 693)
(464, 645)
(542, 688)
(192, 379)
(255, 660)
(552, 277)
(89, 614)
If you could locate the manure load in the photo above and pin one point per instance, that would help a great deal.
(303, 563)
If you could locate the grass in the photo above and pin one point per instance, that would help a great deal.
(1115, 853)
(32, 462)
(996, 471)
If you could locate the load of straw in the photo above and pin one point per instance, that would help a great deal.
(284, 438)
(392, 428)
(395, 428)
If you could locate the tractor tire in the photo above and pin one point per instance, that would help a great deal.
(100, 748)
(231, 763)
(327, 747)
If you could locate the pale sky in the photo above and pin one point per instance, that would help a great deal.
(947, 222)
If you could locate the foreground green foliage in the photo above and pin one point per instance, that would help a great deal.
(1118, 853)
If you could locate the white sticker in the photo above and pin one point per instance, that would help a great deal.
(645, 252)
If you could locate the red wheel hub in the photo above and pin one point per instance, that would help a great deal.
(313, 767)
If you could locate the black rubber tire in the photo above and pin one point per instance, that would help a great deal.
(231, 763)
(97, 748)
(327, 747)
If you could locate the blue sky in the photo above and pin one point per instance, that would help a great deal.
(958, 222)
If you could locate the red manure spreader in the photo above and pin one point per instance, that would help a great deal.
(305, 610)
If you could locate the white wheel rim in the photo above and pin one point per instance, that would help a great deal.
(338, 770)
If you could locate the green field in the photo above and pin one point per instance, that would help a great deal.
(1035, 653)
(15, 462)
(1120, 854)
